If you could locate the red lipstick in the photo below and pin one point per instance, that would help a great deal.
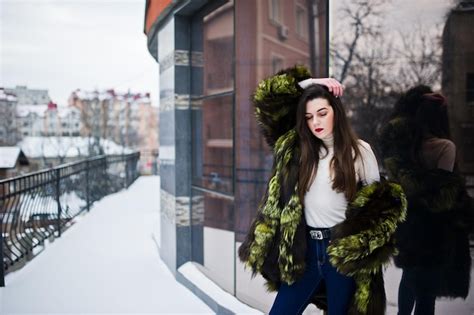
(319, 129)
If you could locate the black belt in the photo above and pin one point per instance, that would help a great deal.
(319, 234)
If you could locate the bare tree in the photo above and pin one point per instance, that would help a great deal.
(419, 57)
(368, 93)
(363, 19)
(362, 56)
(93, 116)
(376, 64)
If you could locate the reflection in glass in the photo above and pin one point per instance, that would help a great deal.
(212, 144)
(270, 36)
(380, 49)
(218, 46)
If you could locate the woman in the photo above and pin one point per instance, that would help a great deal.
(433, 242)
(324, 228)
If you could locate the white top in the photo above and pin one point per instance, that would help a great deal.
(325, 207)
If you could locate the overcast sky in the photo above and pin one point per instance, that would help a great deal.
(63, 45)
(398, 15)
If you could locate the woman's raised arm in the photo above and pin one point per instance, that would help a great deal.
(276, 97)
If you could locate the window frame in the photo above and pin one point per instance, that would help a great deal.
(278, 20)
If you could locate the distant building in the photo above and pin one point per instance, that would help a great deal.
(48, 120)
(69, 119)
(29, 96)
(13, 162)
(8, 124)
(30, 119)
(125, 118)
(458, 82)
(146, 123)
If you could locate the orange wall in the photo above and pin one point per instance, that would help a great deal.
(154, 10)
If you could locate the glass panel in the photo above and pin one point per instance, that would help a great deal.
(212, 106)
(212, 87)
(212, 210)
(381, 50)
(301, 21)
(218, 46)
(213, 144)
(264, 47)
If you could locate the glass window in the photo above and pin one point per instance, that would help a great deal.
(275, 11)
(212, 117)
(380, 54)
(301, 21)
(218, 50)
(261, 51)
(213, 144)
(212, 210)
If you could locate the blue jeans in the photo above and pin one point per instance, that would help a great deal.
(293, 299)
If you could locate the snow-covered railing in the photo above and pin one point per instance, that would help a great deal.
(40, 205)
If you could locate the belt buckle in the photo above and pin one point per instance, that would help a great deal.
(316, 234)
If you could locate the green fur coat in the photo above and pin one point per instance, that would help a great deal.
(275, 245)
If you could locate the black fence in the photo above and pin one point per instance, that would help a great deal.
(41, 205)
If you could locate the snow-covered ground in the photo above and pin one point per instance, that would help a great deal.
(106, 263)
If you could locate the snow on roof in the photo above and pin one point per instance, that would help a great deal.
(113, 95)
(66, 111)
(90, 95)
(50, 147)
(9, 156)
(40, 110)
(7, 96)
(25, 110)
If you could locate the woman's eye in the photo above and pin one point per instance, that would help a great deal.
(308, 117)
(323, 114)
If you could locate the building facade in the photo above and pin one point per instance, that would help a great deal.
(29, 96)
(8, 124)
(47, 120)
(458, 83)
(128, 119)
(213, 161)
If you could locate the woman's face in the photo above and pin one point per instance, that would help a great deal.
(319, 117)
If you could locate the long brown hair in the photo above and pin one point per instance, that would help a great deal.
(346, 148)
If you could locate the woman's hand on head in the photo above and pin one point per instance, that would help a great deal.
(334, 86)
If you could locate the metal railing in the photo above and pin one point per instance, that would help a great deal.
(41, 205)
